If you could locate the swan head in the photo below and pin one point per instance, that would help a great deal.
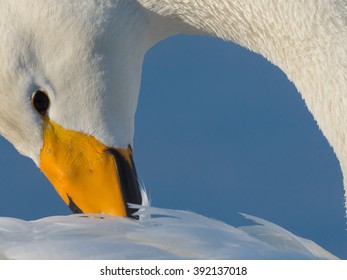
(66, 100)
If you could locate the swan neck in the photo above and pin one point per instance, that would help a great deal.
(306, 39)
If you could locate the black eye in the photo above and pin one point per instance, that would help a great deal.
(40, 101)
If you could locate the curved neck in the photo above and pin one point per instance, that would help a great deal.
(306, 39)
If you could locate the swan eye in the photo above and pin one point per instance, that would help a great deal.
(40, 102)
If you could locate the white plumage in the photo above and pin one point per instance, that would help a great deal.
(88, 55)
(168, 234)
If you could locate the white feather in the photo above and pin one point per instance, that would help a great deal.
(163, 234)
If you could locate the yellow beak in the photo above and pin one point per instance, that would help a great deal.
(89, 176)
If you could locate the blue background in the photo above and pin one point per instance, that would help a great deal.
(219, 130)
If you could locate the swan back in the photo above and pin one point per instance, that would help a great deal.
(164, 234)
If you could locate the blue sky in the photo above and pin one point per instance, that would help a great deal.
(219, 130)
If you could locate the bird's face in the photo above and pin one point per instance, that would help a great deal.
(67, 102)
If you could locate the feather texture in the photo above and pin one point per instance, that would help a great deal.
(161, 234)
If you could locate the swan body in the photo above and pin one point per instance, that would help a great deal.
(169, 234)
(87, 57)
